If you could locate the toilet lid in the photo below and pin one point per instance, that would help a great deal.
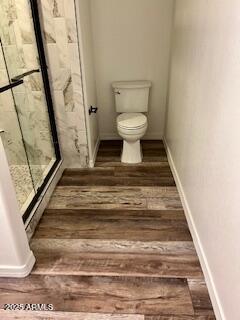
(131, 120)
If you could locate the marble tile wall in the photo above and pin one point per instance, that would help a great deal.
(61, 45)
(61, 39)
(19, 47)
(12, 138)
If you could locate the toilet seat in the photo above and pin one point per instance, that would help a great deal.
(131, 121)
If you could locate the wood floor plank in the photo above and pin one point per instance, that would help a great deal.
(97, 198)
(106, 214)
(53, 315)
(64, 246)
(105, 197)
(118, 264)
(144, 171)
(122, 295)
(158, 170)
(115, 181)
(77, 191)
(118, 143)
(121, 226)
(146, 163)
(120, 176)
(164, 203)
(117, 158)
(114, 244)
(172, 317)
(200, 297)
(109, 171)
(153, 151)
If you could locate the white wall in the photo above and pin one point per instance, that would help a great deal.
(131, 42)
(203, 134)
(88, 73)
(16, 258)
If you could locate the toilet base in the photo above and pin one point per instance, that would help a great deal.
(131, 152)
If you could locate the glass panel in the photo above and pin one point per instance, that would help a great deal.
(21, 55)
(13, 143)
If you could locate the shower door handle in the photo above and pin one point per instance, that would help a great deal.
(22, 75)
(11, 85)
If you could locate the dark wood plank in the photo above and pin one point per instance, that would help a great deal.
(119, 176)
(126, 214)
(200, 297)
(101, 294)
(172, 317)
(126, 225)
(110, 151)
(144, 171)
(115, 181)
(107, 159)
(56, 315)
(117, 144)
(117, 264)
(53, 315)
(145, 163)
(110, 144)
(76, 172)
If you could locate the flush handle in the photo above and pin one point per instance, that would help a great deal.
(92, 110)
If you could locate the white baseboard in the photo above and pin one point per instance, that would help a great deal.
(92, 161)
(18, 271)
(196, 239)
(148, 136)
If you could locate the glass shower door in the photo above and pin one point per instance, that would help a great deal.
(13, 143)
(24, 59)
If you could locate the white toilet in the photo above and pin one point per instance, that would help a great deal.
(131, 100)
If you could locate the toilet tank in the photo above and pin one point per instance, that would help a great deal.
(131, 96)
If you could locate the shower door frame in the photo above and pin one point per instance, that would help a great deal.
(50, 109)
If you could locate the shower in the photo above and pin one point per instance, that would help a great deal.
(27, 121)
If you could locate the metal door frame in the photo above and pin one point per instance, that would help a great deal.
(48, 95)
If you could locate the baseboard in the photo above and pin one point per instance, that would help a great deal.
(148, 136)
(196, 239)
(92, 161)
(19, 271)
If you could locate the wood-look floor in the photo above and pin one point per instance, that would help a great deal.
(114, 244)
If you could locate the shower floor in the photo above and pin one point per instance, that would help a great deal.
(25, 185)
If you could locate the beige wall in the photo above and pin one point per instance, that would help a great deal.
(203, 133)
(131, 41)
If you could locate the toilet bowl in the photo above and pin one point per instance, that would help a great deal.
(131, 127)
(131, 101)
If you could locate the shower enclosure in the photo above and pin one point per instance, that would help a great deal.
(27, 122)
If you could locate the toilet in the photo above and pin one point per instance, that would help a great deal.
(131, 101)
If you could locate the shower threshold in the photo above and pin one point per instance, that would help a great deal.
(23, 182)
